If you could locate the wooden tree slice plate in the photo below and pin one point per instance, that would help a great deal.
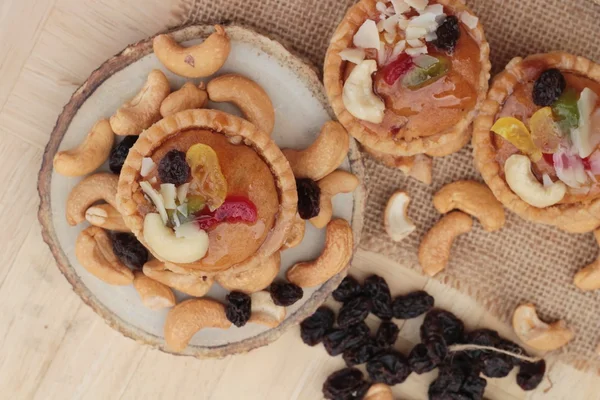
(301, 108)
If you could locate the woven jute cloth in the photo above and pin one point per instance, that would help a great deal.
(523, 262)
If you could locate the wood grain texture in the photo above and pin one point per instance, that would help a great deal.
(52, 346)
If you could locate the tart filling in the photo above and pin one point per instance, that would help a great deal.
(200, 197)
(401, 75)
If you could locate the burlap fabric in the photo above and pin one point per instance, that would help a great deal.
(523, 262)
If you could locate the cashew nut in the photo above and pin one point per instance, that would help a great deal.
(264, 311)
(379, 391)
(338, 181)
(336, 255)
(188, 97)
(322, 157)
(589, 277)
(167, 246)
(358, 96)
(107, 217)
(419, 166)
(93, 188)
(191, 284)
(154, 295)
(190, 316)
(538, 334)
(93, 249)
(196, 61)
(296, 233)
(143, 110)
(396, 221)
(521, 180)
(89, 155)
(250, 276)
(248, 96)
(434, 250)
(473, 198)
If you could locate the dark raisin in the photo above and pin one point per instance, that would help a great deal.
(377, 289)
(412, 305)
(354, 311)
(362, 353)
(548, 87)
(238, 307)
(445, 323)
(389, 367)
(496, 365)
(348, 289)
(512, 347)
(531, 374)
(173, 168)
(387, 333)
(482, 337)
(338, 340)
(345, 384)
(309, 197)
(447, 34)
(453, 373)
(314, 328)
(473, 386)
(436, 348)
(285, 294)
(120, 152)
(129, 250)
(419, 360)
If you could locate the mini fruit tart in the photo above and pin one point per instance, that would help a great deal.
(407, 77)
(536, 140)
(206, 190)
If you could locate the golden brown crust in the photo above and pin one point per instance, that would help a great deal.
(578, 217)
(129, 194)
(437, 145)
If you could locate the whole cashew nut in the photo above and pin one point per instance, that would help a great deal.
(396, 221)
(93, 188)
(521, 180)
(250, 276)
(296, 234)
(322, 157)
(589, 277)
(538, 334)
(473, 198)
(197, 61)
(189, 317)
(379, 391)
(264, 311)
(194, 285)
(154, 295)
(336, 255)
(248, 96)
(93, 249)
(89, 155)
(338, 181)
(107, 217)
(143, 110)
(358, 96)
(188, 97)
(434, 250)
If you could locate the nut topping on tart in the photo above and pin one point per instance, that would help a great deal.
(407, 77)
(540, 136)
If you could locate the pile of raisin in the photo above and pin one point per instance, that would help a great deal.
(460, 373)
(285, 294)
(447, 34)
(173, 168)
(548, 87)
(309, 198)
(238, 308)
(120, 152)
(129, 250)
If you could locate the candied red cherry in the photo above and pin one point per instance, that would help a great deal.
(285, 294)
(129, 250)
(238, 308)
(309, 197)
(173, 168)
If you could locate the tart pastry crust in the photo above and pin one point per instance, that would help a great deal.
(130, 197)
(437, 145)
(576, 217)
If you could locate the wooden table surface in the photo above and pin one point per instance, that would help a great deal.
(52, 346)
